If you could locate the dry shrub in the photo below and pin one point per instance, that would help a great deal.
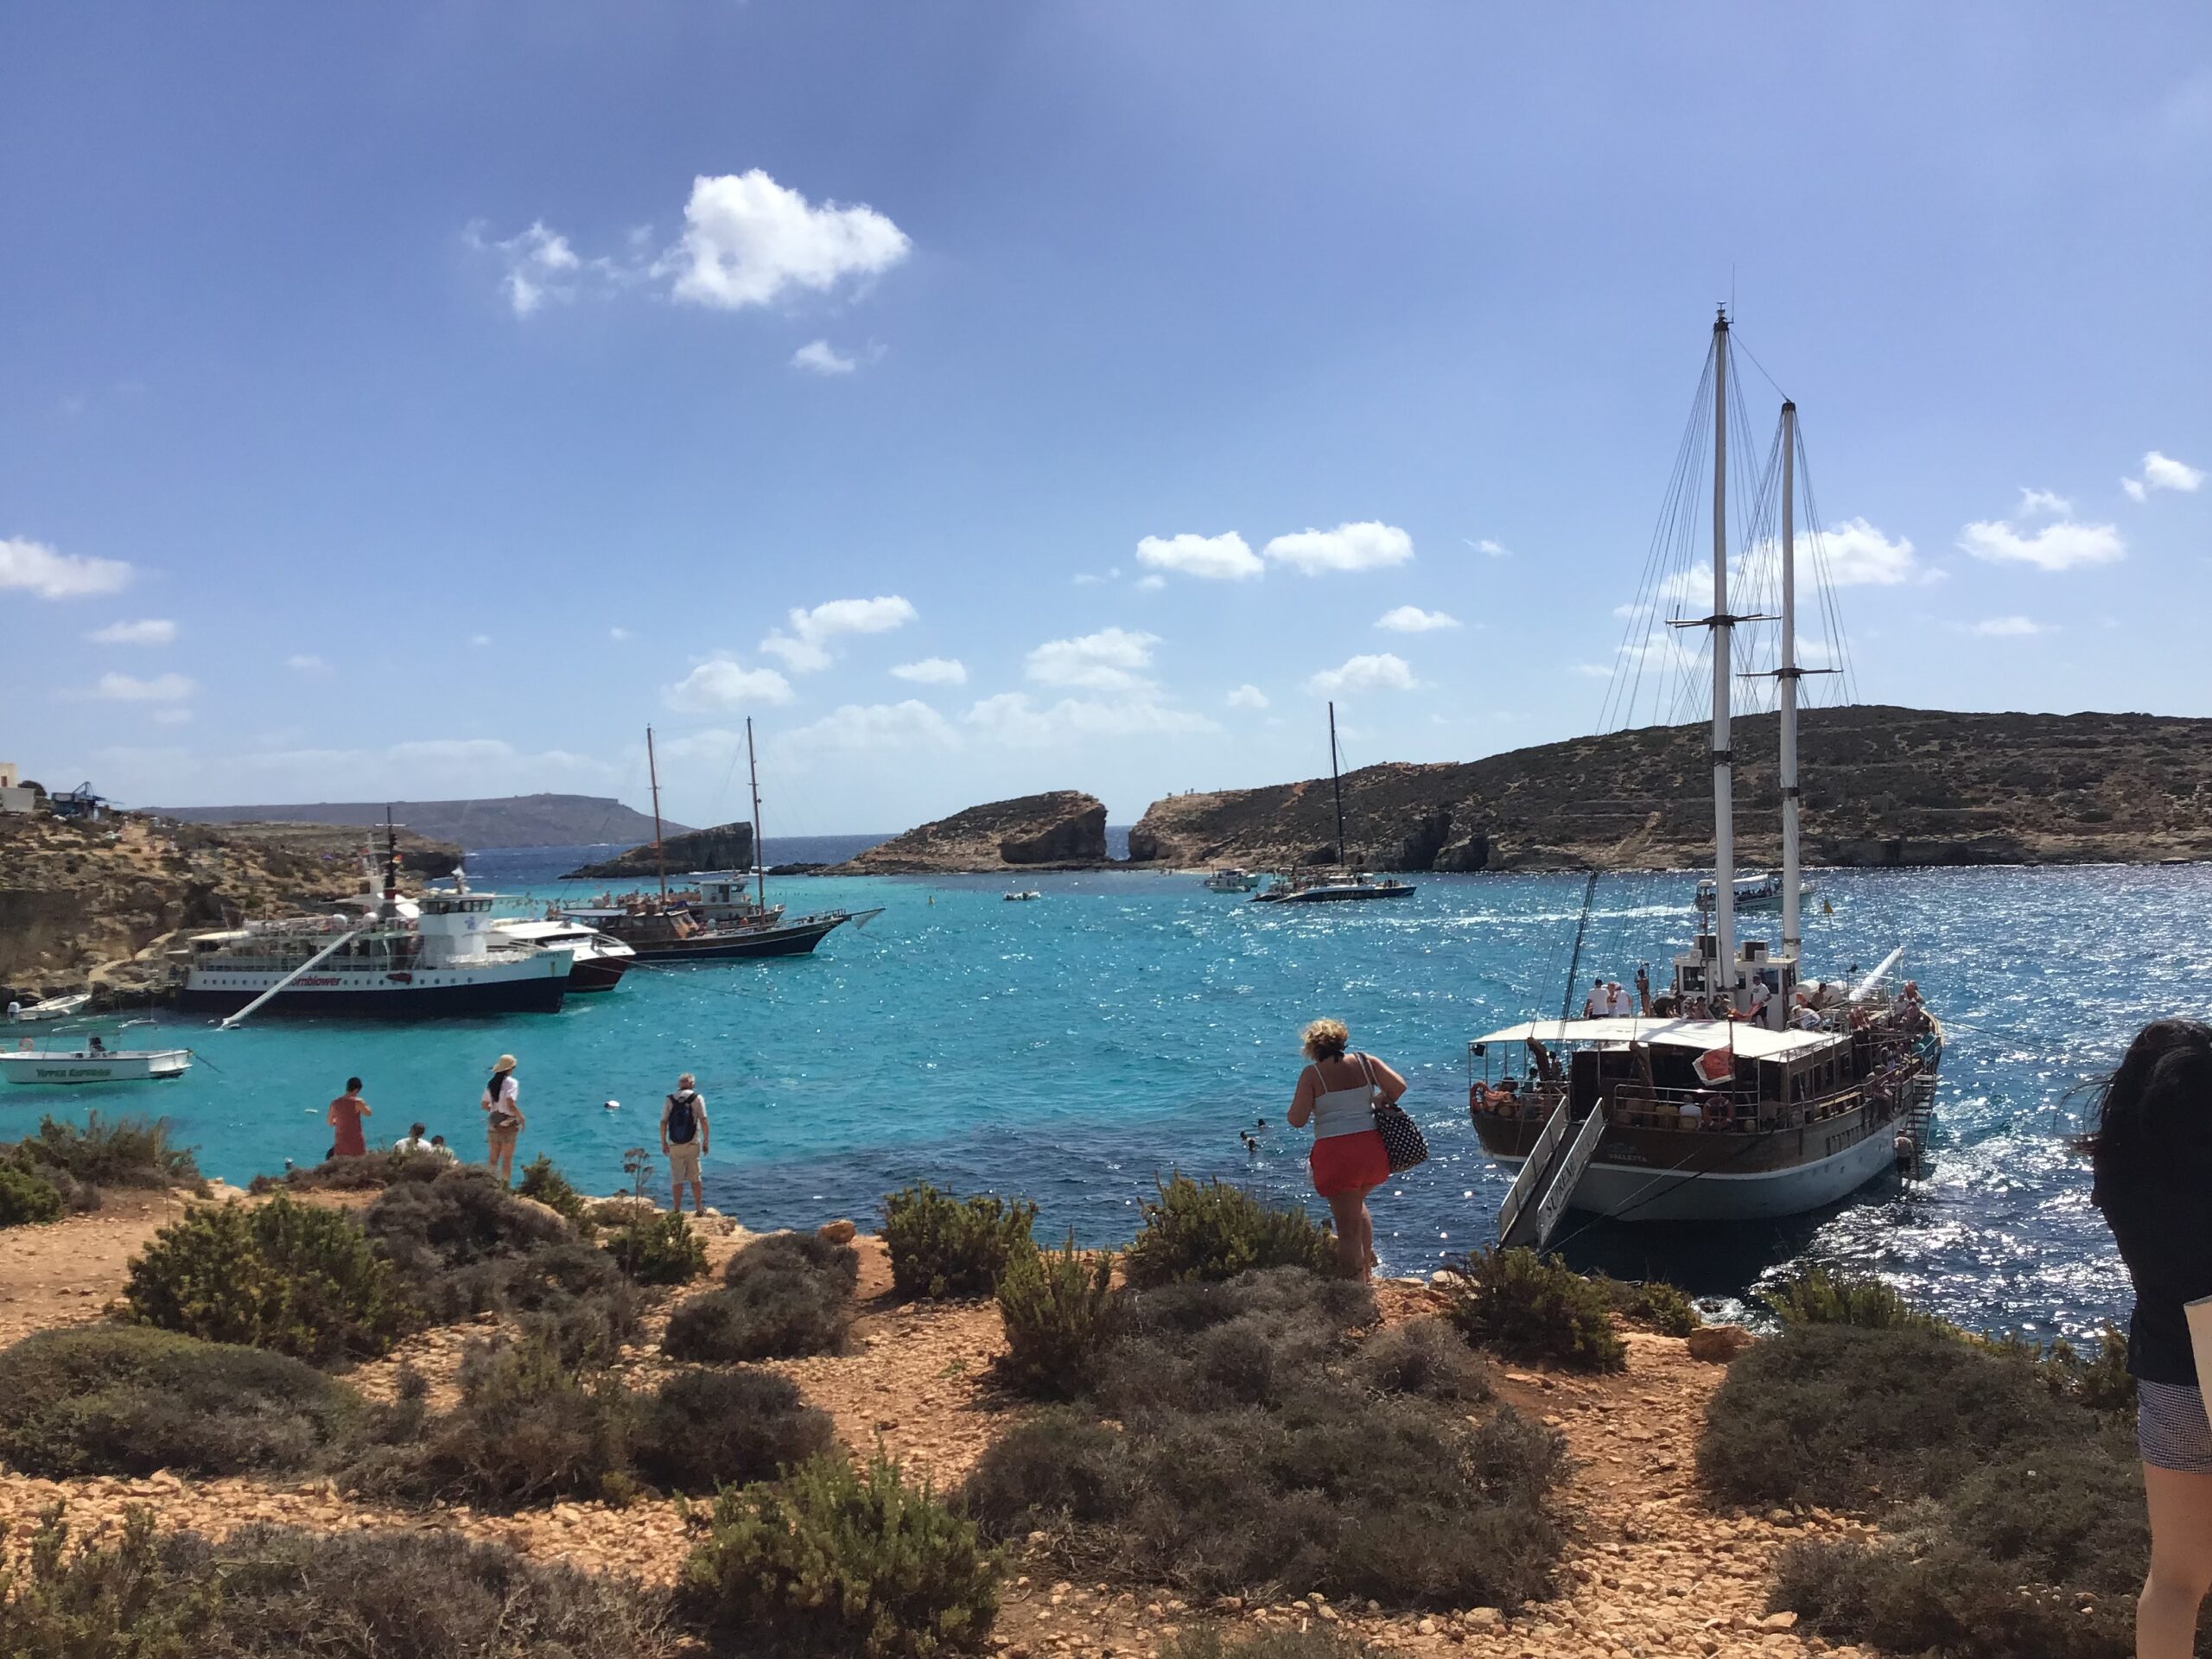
(121, 1152)
(1240, 1439)
(704, 1430)
(784, 1297)
(839, 1561)
(267, 1592)
(119, 1400)
(1427, 1358)
(1209, 1641)
(1537, 1309)
(371, 1173)
(461, 1216)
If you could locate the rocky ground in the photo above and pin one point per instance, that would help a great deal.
(1064, 829)
(1653, 1571)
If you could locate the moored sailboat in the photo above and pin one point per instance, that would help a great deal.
(1744, 1091)
(1334, 886)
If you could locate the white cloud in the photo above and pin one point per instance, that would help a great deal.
(36, 568)
(1493, 550)
(747, 238)
(540, 265)
(1248, 696)
(1109, 660)
(1012, 719)
(304, 663)
(2036, 502)
(1380, 671)
(617, 635)
(933, 670)
(2007, 627)
(172, 717)
(720, 686)
(2163, 473)
(855, 726)
(479, 639)
(806, 649)
(2061, 545)
(1151, 584)
(2134, 488)
(125, 688)
(820, 357)
(1214, 558)
(153, 630)
(1365, 546)
(1411, 619)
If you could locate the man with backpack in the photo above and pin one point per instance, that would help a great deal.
(683, 1142)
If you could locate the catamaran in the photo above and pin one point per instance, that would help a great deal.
(1730, 1095)
(1330, 887)
(1753, 892)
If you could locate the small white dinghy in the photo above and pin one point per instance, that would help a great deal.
(28, 1065)
(54, 1008)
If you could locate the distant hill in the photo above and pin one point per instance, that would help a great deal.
(503, 820)
(725, 847)
(1883, 786)
(1062, 828)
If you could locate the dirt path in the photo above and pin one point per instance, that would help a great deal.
(67, 1272)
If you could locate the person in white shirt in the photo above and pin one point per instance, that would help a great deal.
(1599, 1003)
(415, 1140)
(1804, 1016)
(1762, 994)
(503, 1118)
(1619, 1003)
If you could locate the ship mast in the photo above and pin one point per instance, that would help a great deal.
(660, 858)
(1787, 676)
(760, 862)
(1723, 802)
(1337, 783)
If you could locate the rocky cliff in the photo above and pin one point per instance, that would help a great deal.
(81, 904)
(1882, 786)
(725, 847)
(1065, 827)
(501, 821)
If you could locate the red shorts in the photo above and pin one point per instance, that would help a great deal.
(1349, 1163)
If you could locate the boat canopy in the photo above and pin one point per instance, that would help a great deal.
(1752, 1042)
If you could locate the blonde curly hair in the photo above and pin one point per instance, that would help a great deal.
(1325, 1039)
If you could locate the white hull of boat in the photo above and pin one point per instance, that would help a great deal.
(125, 1066)
(54, 1008)
(1641, 1193)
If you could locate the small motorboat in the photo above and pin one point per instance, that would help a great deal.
(1022, 898)
(93, 1064)
(54, 1008)
(1230, 878)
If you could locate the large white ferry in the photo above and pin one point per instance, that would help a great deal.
(410, 959)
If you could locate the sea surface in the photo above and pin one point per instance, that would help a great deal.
(1126, 1024)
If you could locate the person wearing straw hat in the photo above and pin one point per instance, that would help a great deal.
(503, 1118)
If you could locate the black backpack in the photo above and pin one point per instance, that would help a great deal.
(683, 1117)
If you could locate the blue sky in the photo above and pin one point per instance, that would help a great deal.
(419, 401)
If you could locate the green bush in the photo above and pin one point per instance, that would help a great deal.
(267, 1592)
(299, 1281)
(1214, 1230)
(119, 1400)
(658, 1251)
(460, 1218)
(528, 1429)
(543, 1180)
(943, 1246)
(26, 1199)
(703, 1430)
(1816, 1296)
(785, 1296)
(124, 1152)
(1652, 1303)
(834, 1560)
(1534, 1308)
(1058, 1311)
(1242, 1437)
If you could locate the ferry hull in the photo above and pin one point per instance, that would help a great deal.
(540, 994)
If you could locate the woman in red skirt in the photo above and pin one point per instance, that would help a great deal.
(1337, 1092)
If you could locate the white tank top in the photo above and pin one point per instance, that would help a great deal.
(1345, 1111)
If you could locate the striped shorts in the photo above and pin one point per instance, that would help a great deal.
(2172, 1431)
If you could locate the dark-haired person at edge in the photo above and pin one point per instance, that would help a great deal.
(1338, 1094)
(345, 1117)
(2152, 1150)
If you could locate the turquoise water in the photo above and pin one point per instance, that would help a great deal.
(1128, 1024)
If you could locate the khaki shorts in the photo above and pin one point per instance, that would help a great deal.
(683, 1161)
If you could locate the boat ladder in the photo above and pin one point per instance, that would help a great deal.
(1532, 1210)
(1918, 1118)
